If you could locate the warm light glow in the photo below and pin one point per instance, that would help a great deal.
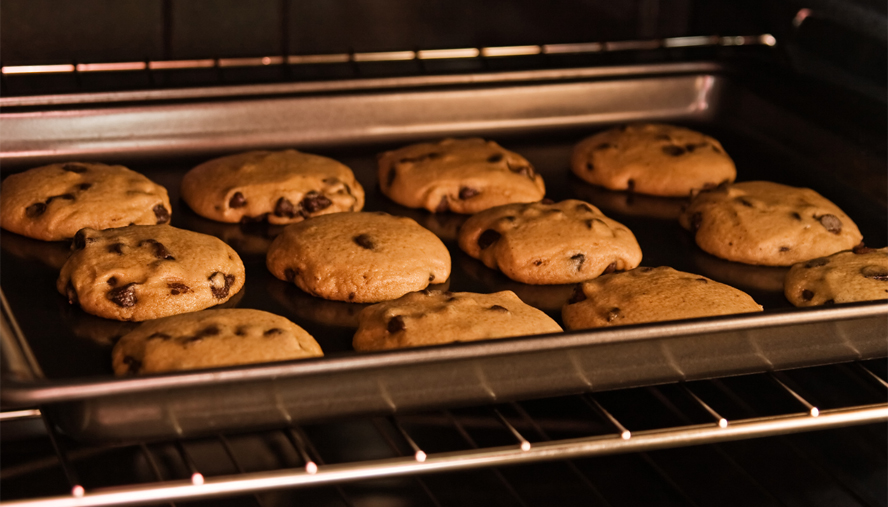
(723, 423)
(525, 446)
(311, 468)
(197, 478)
(626, 435)
(78, 491)
(420, 456)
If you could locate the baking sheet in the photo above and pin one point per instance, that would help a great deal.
(71, 350)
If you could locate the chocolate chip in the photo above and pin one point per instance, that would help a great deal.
(829, 302)
(610, 268)
(431, 277)
(538, 262)
(496, 157)
(807, 295)
(162, 214)
(796, 216)
(124, 296)
(744, 202)
(351, 296)
(862, 249)
(314, 201)
(133, 365)
(544, 201)
(589, 166)
(74, 168)
(390, 178)
(467, 193)
(604, 146)
(80, 240)
(674, 151)
(443, 206)
(498, 308)
(784, 249)
(715, 148)
(613, 314)
(702, 280)
(237, 201)
(211, 330)
(35, 210)
(647, 270)
(71, 292)
(116, 248)
(396, 324)
(831, 223)
(241, 331)
(579, 259)
(178, 288)
(220, 284)
(273, 331)
(524, 170)
(875, 272)
(290, 274)
(630, 185)
(692, 147)
(816, 263)
(158, 249)
(84, 186)
(488, 238)
(284, 208)
(67, 197)
(583, 207)
(696, 221)
(112, 281)
(577, 296)
(159, 336)
(364, 241)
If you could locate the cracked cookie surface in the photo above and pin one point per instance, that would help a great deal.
(434, 317)
(769, 224)
(144, 272)
(209, 339)
(857, 275)
(282, 187)
(556, 243)
(651, 295)
(458, 175)
(53, 202)
(359, 257)
(653, 159)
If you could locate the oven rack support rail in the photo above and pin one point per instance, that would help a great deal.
(803, 416)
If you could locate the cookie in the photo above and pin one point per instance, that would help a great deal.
(359, 257)
(857, 275)
(433, 317)
(557, 243)
(211, 339)
(651, 295)
(282, 187)
(458, 175)
(146, 272)
(53, 202)
(653, 159)
(769, 224)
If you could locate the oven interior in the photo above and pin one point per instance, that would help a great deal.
(741, 440)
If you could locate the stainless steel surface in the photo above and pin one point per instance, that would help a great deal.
(551, 115)
(194, 482)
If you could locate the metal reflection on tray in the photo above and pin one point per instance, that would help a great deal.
(628, 203)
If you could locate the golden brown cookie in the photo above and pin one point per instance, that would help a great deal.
(652, 158)
(53, 202)
(858, 275)
(433, 317)
(557, 243)
(651, 295)
(359, 257)
(282, 187)
(459, 175)
(146, 272)
(769, 224)
(211, 339)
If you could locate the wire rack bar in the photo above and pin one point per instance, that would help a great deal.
(460, 460)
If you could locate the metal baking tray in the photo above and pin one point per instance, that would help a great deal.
(57, 357)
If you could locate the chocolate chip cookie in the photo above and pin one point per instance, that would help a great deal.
(282, 187)
(857, 275)
(211, 339)
(458, 175)
(653, 159)
(53, 202)
(433, 317)
(651, 295)
(146, 272)
(557, 243)
(359, 257)
(769, 224)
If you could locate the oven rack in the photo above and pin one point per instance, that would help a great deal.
(517, 433)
